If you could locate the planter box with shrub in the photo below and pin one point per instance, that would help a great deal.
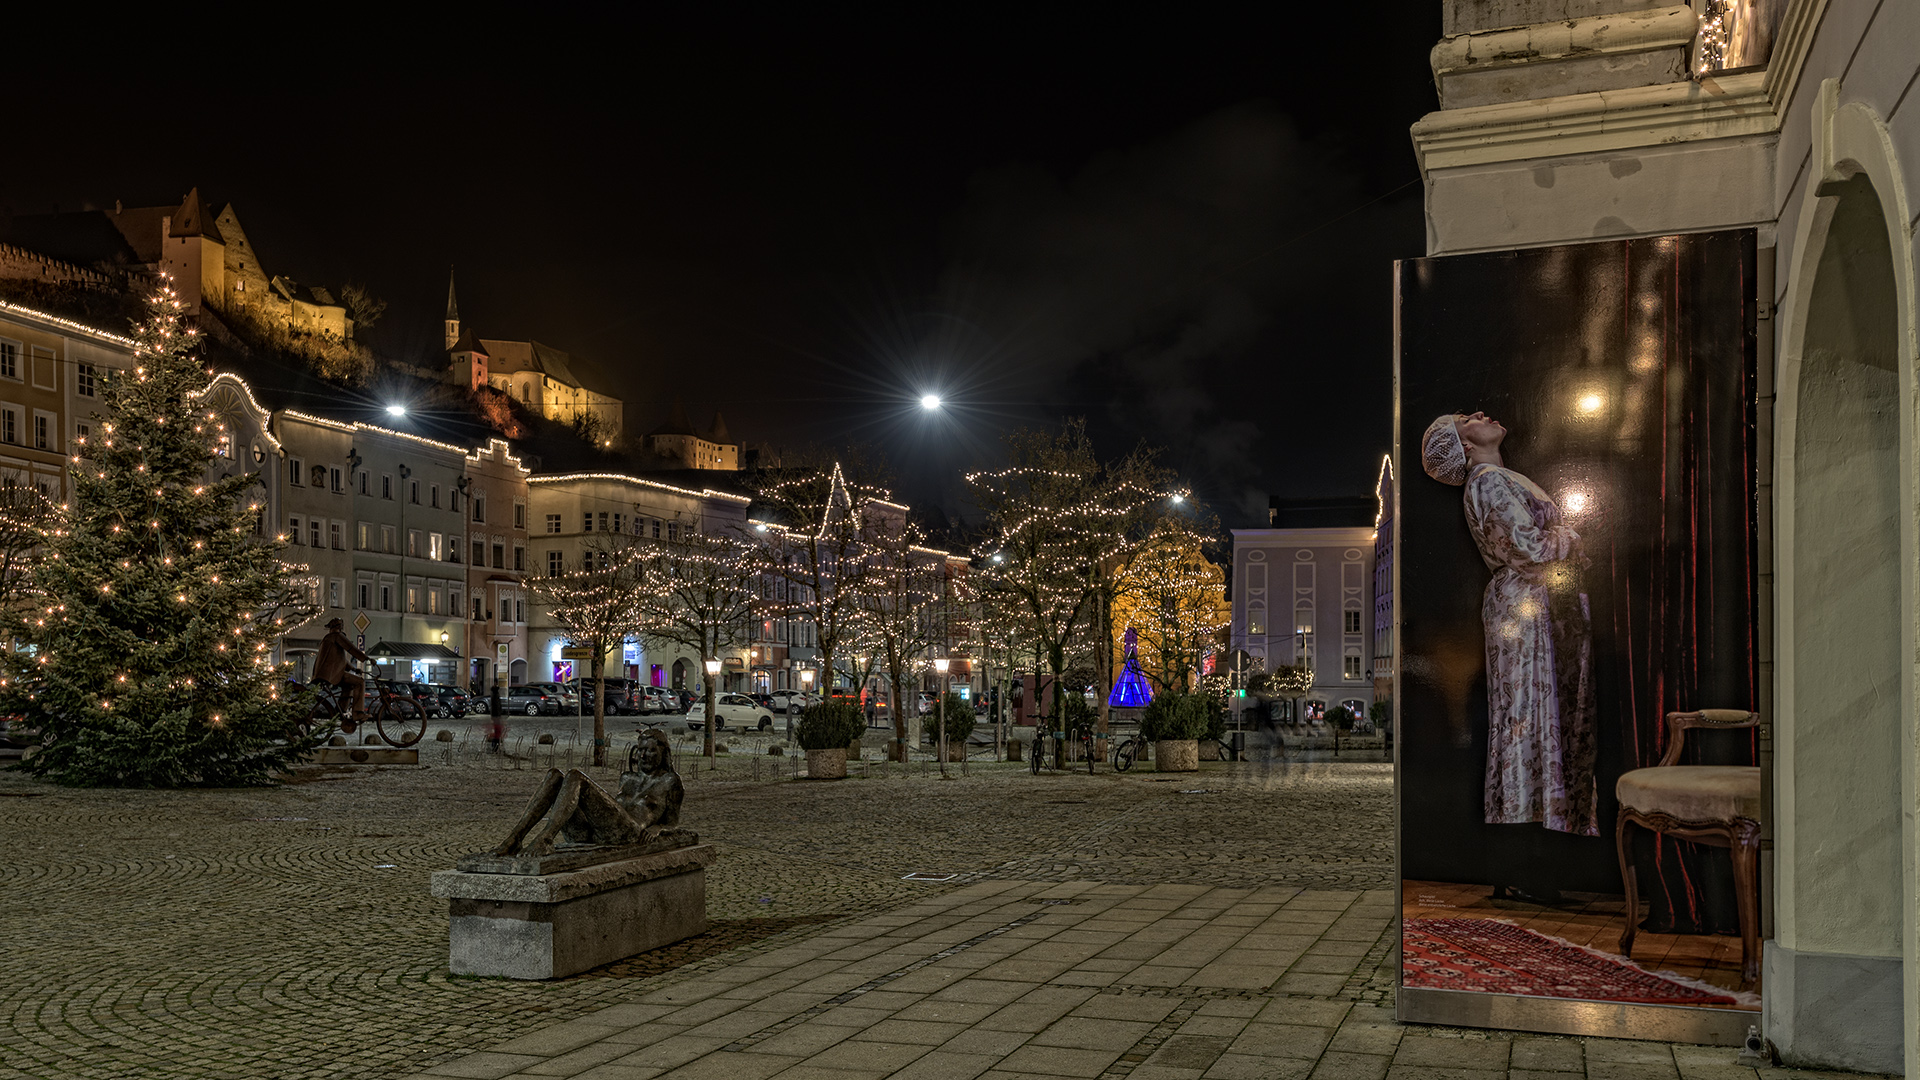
(824, 732)
(1175, 723)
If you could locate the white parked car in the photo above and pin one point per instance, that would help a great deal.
(735, 711)
(793, 701)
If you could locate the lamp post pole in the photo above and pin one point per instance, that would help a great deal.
(713, 720)
(940, 700)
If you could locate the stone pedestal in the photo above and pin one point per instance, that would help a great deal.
(548, 926)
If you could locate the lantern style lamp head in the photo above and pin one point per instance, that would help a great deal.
(713, 667)
(396, 410)
(806, 677)
(443, 637)
(940, 664)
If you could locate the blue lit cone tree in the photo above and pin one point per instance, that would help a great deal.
(143, 644)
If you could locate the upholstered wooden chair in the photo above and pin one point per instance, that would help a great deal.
(1711, 804)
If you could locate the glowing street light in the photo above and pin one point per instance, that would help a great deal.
(940, 695)
(396, 410)
(1178, 498)
(930, 402)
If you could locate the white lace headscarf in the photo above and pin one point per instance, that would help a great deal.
(1442, 453)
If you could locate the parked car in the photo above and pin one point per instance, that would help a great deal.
(531, 700)
(569, 702)
(687, 698)
(453, 700)
(791, 701)
(656, 699)
(924, 704)
(736, 710)
(623, 696)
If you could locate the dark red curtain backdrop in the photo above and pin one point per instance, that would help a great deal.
(1624, 371)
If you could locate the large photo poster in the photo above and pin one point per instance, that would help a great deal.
(1577, 609)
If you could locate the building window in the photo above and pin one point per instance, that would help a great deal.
(1256, 623)
(479, 508)
(476, 609)
(82, 431)
(619, 522)
(519, 611)
(434, 550)
(433, 601)
(673, 530)
(1351, 667)
(603, 521)
(386, 486)
(453, 548)
(85, 380)
(434, 496)
(555, 564)
(41, 433)
(335, 530)
(313, 531)
(364, 589)
(9, 426)
(479, 553)
(334, 472)
(553, 523)
(656, 528)
(586, 522)
(413, 543)
(1352, 620)
(413, 492)
(453, 602)
(9, 359)
(519, 515)
(335, 588)
(293, 530)
(387, 540)
(296, 472)
(363, 483)
(499, 556)
(386, 598)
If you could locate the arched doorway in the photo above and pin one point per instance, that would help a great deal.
(1843, 599)
(679, 674)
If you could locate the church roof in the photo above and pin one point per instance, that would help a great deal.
(718, 432)
(551, 361)
(677, 422)
(469, 342)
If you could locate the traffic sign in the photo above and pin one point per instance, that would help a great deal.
(576, 652)
(1239, 661)
(361, 622)
(360, 640)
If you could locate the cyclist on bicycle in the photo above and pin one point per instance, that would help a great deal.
(331, 667)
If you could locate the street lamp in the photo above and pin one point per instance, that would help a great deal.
(713, 721)
(940, 664)
(930, 402)
(396, 410)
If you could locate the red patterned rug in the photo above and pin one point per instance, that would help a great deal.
(1499, 958)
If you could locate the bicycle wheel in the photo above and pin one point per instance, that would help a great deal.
(1034, 753)
(401, 722)
(1091, 756)
(1123, 758)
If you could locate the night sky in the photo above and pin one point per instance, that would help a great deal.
(1181, 230)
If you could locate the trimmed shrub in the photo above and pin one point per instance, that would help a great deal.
(1078, 713)
(1216, 718)
(829, 725)
(1171, 717)
(959, 719)
(1340, 718)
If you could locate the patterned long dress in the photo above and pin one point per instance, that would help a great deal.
(1540, 708)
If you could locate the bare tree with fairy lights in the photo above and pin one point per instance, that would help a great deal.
(143, 652)
(1059, 521)
(820, 548)
(702, 596)
(600, 600)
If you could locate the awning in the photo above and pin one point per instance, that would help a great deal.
(411, 650)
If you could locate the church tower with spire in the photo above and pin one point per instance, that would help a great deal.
(453, 313)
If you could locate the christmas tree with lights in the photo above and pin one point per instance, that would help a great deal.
(142, 647)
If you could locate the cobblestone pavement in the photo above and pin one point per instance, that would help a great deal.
(287, 932)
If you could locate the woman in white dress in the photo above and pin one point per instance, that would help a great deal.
(1540, 708)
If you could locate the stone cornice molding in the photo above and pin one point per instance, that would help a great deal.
(1791, 44)
(1622, 32)
(1640, 117)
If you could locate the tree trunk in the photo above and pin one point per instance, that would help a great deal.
(599, 709)
(1105, 615)
(896, 672)
(713, 719)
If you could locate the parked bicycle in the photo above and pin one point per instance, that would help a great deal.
(396, 714)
